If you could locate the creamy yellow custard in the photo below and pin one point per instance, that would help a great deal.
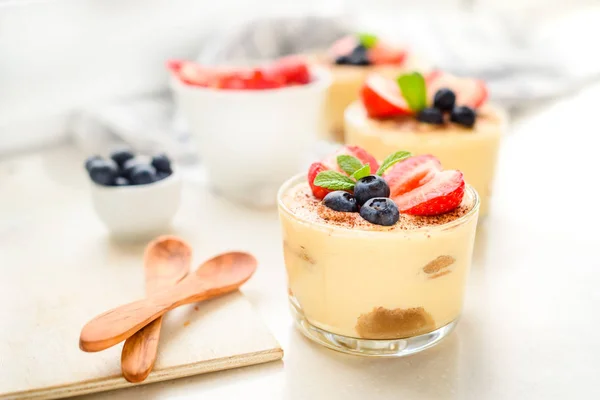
(359, 280)
(473, 151)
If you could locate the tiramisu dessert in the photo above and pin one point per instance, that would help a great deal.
(377, 254)
(350, 60)
(433, 114)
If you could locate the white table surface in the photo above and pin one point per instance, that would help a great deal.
(532, 313)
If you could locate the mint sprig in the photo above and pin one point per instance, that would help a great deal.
(391, 160)
(333, 180)
(412, 87)
(348, 163)
(367, 39)
(365, 170)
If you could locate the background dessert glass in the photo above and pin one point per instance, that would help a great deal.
(376, 292)
(473, 151)
(345, 87)
(250, 141)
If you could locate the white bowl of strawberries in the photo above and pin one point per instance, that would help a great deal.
(254, 126)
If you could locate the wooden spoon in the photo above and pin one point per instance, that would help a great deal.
(167, 260)
(222, 274)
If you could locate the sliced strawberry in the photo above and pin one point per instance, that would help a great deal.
(469, 92)
(381, 98)
(442, 193)
(355, 151)
(343, 46)
(383, 53)
(292, 69)
(411, 173)
(313, 171)
(174, 65)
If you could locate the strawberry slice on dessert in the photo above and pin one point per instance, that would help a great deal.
(355, 151)
(469, 92)
(382, 98)
(383, 53)
(313, 171)
(442, 193)
(411, 173)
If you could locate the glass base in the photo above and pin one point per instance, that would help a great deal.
(368, 347)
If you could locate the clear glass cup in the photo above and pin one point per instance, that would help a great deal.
(376, 293)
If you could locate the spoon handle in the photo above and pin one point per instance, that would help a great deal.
(118, 324)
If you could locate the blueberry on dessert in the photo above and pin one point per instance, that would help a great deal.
(341, 201)
(351, 181)
(124, 168)
(380, 211)
(431, 115)
(364, 49)
(425, 98)
(369, 187)
(463, 115)
(444, 99)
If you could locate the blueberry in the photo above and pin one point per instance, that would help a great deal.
(341, 201)
(120, 156)
(162, 163)
(463, 116)
(380, 211)
(359, 56)
(142, 174)
(444, 99)
(89, 161)
(129, 165)
(162, 175)
(431, 115)
(370, 186)
(120, 181)
(103, 172)
(343, 60)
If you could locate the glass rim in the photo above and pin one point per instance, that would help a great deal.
(296, 179)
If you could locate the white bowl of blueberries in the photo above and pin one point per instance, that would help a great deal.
(135, 196)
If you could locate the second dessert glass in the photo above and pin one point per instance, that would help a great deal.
(376, 292)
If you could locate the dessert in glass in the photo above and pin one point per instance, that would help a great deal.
(262, 120)
(350, 60)
(436, 114)
(377, 256)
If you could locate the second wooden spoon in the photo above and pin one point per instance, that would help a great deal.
(167, 260)
(222, 274)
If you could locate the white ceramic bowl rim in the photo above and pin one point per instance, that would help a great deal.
(322, 75)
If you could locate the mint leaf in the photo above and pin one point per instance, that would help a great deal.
(413, 90)
(348, 164)
(362, 172)
(334, 180)
(393, 159)
(367, 39)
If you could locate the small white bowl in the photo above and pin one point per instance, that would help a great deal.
(251, 141)
(140, 211)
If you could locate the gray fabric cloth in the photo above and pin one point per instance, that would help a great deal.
(521, 62)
